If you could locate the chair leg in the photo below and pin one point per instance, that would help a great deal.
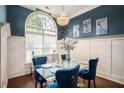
(41, 85)
(36, 84)
(45, 84)
(94, 83)
(88, 83)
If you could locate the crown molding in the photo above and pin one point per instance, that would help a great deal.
(90, 7)
(84, 10)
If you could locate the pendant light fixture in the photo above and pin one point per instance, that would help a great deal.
(63, 20)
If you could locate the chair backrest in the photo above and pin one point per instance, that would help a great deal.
(67, 78)
(38, 61)
(92, 68)
(64, 57)
(42, 59)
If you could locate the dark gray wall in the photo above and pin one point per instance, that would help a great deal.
(16, 16)
(2, 13)
(115, 16)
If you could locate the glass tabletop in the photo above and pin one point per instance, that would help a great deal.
(48, 70)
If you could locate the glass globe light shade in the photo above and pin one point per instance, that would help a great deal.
(63, 20)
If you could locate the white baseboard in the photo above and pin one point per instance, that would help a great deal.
(112, 78)
(19, 74)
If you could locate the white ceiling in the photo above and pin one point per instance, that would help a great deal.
(70, 10)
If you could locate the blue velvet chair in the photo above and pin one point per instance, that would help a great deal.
(64, 57)
(66, 78)
(37, 62)
(42, 59)
(89, 74)
(40, 79)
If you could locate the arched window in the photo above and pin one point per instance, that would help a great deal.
(41, 35)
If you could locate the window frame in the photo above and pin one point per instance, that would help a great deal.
(43, 30)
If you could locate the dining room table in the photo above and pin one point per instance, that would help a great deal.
(48, 70)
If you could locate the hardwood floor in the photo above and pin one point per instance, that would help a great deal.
(27, 81)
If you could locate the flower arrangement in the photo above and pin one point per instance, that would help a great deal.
(68, 44)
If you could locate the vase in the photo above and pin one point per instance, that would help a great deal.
(68, 56)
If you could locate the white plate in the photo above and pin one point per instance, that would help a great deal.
(46, 65)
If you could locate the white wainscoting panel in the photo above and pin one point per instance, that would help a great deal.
(100, 48)
(118, 58)
(4, 34)
(16, 57)
(81, 51)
